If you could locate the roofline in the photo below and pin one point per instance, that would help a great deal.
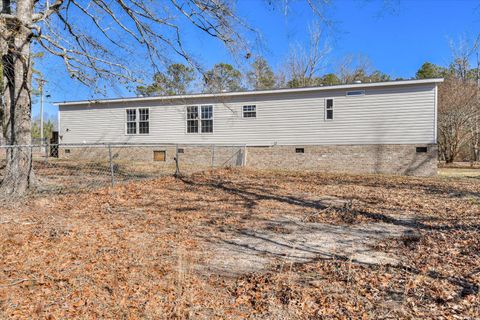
(247, 93)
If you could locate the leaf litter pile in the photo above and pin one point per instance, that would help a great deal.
(144, 250)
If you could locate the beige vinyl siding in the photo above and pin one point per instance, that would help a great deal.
(384, 115)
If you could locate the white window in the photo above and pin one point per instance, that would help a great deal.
(137, 121)
(143, 121)
(249, 111)
(207, 119)
(200, 121)
(328, 109)
(131, 121)
(356, 93)
(192, 119)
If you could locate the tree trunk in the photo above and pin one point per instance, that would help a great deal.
(16, 120)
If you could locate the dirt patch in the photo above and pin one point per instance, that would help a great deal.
(289, 240)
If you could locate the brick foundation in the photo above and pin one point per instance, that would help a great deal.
(390, 159)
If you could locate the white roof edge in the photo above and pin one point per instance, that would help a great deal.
(247, 93)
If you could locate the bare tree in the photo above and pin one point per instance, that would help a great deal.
(92, 54)
(304, 65)
(474, 127)
(466, 81)
(463, 51)
(359, 68)
(459, 105)
(353, 68)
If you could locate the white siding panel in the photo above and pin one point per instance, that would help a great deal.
(390, 115)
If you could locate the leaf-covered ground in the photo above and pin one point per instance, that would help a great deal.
(142, 250)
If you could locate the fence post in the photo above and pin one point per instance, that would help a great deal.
(46, 152)
(111, 163)
(213, 155)
(244, 155)
(177, 169)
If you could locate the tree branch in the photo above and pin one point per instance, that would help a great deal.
(40, 16)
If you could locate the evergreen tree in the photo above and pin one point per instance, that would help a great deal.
(377, 76)
(176, 80)
(223, 77)
(48, 128)
(429, 70)
(329, 79)
(261, 76)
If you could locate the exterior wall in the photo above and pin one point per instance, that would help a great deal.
(394, 114)
(390, 159)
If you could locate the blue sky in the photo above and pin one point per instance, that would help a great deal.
(396, 38)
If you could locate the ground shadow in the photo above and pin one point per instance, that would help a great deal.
(260, 244)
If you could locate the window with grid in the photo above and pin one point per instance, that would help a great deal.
(131, 121)
(192, 119)
(138, 121)
(200, 119)
(249, 111)
(207, 119)
(143, 121)
(329, 109)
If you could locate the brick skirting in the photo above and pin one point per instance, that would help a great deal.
(390, 159)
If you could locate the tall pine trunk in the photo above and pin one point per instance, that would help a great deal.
(16, 121)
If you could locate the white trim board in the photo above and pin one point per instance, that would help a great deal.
(249, 93)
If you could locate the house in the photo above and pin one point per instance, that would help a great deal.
(385, 127)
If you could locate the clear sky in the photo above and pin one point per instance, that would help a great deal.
(397, 38)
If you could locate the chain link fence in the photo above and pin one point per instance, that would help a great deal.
(74, 167)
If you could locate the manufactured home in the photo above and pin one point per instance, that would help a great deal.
(386, 127)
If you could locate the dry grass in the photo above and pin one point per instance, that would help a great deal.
(141, 250)
(465, 172)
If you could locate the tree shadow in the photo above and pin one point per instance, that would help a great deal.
(252, 195)
(251, 198)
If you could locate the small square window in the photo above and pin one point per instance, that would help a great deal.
(180, 150)
(67, 150)
(421, 149)
(299, 150)
(249, 111)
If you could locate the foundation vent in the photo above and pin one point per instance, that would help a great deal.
(159, 155)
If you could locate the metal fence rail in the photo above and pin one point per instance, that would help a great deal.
(74, 167)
